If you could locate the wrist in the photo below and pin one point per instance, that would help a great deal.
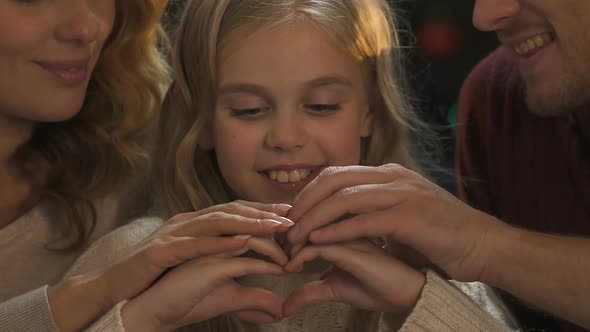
(86, 293)
(501, 246)
(137, 317)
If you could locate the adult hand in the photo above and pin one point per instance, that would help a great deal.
(204, 288)
(218, 229)
(362, 274)
(393, 202)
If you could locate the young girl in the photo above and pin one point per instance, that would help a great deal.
(270, 98)
(81, 81)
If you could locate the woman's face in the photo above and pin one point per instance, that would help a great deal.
(48, 50)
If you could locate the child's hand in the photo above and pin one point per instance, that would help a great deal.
(204, 288)
(397, 204)
(363, 275)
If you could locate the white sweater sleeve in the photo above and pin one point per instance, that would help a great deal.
(443, 307)
(27, 312)
(106, 251)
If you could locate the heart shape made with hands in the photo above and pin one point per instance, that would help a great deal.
(316, 274)
(306, 283)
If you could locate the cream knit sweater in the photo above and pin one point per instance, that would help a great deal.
(27, 267)
(443, 307)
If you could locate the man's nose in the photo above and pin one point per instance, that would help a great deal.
(491, 15)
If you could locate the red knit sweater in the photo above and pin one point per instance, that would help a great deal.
(526, 170)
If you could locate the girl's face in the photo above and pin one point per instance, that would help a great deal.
(48, 49)
(289, 103)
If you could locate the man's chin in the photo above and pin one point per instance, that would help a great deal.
(555, 104)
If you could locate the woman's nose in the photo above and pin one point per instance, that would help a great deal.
(80, 23)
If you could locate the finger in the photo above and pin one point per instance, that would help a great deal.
(347, 202)
(347, 257)
(240, 266)
(371, 266)
(383, 223)
(261, 301)
(281, 209)
(309, 294)
(268, 247)
(338, 286)
(163, 254)
(394, 225)
(222, 223)
(333, 179)
(245, 208)
(229, 298)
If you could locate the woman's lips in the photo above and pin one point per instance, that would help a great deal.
(71, 72)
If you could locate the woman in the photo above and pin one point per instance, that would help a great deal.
(81, 83)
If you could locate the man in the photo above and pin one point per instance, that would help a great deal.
(524, 154)
(523, 136)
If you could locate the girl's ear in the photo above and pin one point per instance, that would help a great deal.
(367, 119)
(206, 138)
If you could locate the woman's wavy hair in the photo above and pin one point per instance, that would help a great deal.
(187, 176)
(92, 156)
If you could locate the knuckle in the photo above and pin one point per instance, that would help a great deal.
(232, 207)
(396, 170)
(347, 191)
(218, 216)
(241, 202)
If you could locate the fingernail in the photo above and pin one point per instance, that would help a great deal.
(270, 222)
(281, 208)
(285, 221)
(242, 237)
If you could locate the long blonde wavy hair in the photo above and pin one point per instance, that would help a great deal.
(74, 163)
(188, 178)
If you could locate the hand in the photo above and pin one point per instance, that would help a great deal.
(204, 288)
(190, 235)
(363, 275)
(398, 204)
(184, 237)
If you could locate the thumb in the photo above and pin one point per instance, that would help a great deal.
(254, 303)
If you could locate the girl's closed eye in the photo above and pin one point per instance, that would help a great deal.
(248, 112)
(322, 109)
(27, 2)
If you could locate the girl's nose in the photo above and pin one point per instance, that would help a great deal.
(286, 132)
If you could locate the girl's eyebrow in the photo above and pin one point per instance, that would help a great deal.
(328, 80)
(265, 93)
(244, 87)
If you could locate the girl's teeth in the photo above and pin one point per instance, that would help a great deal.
(289, 176)
(294, 176)
(283, 177)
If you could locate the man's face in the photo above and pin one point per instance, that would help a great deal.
(551, 44)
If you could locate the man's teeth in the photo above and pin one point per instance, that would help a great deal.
(292, 176)
(532, 44)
